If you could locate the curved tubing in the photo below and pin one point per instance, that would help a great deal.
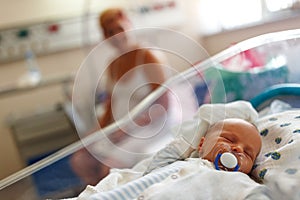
(276, 90)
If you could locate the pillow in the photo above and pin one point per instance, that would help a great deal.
(278, 164)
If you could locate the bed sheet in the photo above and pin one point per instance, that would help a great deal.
(278, 164)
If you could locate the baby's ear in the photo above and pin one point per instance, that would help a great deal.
(201, 144)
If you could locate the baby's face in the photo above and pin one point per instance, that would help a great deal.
(232, 135)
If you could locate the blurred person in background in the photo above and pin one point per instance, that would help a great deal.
(131, 77)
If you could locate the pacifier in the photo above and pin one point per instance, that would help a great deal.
(228, 160)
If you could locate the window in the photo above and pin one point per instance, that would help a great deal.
(234, 13)
(219, 15)
(278, 5)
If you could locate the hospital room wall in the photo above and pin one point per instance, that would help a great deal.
(22, 104)
(54, 64)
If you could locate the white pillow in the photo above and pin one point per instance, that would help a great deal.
(278, 164)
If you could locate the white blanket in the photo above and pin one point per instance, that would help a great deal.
(191, 179)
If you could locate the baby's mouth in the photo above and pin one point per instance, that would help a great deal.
(226, 161)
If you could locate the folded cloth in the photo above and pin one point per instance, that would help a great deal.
(213, 113)
(208, 114)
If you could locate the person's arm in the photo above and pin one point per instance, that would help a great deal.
(105, 119)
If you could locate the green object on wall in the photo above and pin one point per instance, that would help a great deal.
(23, 33)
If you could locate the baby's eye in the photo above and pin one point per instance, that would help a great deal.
(249, 154)
(228, 139)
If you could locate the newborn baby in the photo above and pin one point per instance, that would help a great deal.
(223, 134)
(232, 144)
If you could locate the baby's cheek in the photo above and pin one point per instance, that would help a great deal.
(245, 165)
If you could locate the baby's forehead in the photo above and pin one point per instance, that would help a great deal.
(232, 125)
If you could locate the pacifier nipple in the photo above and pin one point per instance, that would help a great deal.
(228, 160)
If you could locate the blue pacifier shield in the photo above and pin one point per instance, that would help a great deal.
(227, 160)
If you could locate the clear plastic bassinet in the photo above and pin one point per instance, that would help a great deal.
(269, 60)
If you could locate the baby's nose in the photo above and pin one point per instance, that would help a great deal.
(237, 149)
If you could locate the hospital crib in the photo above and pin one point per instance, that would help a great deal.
(271, 71)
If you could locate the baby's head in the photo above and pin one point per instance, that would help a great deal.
(236, 136)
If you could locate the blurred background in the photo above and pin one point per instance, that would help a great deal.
(44, 42)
